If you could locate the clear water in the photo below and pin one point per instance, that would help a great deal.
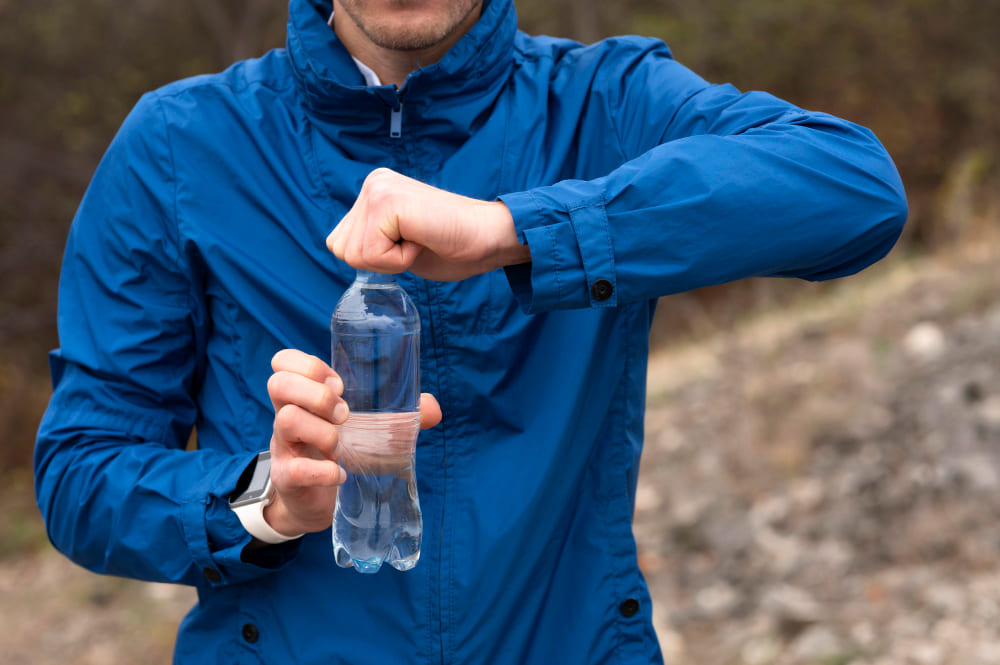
(377, 519)
(375, 347)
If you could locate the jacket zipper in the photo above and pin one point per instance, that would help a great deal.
(396, 120)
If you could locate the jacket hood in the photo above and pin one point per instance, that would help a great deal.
(331, 84)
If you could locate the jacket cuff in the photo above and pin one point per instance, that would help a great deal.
(572, 258)
(217, 539)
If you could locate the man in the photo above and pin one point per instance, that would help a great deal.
(539, 195)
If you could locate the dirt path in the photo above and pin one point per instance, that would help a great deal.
(820, 487)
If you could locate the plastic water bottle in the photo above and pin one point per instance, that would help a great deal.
(375, 338)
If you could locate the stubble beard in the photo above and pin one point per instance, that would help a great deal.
(413, 37)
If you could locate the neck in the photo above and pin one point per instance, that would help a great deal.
(391, 65)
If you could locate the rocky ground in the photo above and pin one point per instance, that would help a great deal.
(824, 489)
(820, 487)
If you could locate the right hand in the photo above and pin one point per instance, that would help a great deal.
(306, 395)
(399, 224)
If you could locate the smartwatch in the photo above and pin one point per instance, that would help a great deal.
(249, 502)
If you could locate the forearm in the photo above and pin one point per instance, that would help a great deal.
(809, 196)
(120, 496)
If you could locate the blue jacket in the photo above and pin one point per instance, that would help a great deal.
(198, 252)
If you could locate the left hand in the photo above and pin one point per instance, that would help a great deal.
(399, 224)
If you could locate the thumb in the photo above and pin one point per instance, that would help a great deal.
(396, 257)
(430, 411)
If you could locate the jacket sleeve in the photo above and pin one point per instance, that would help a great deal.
(713, 186)
(118, 490)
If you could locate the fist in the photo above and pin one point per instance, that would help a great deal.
(399, 224)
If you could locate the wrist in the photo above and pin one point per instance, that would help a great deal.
(254, 495)
(277, 516)
(508, 250)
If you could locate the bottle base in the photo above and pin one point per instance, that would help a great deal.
(367, 565)
(374, 564)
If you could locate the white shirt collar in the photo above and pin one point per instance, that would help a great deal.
(371, 78)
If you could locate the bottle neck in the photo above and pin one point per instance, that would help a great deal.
(369, 278)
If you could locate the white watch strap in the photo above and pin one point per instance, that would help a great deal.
(252, 519)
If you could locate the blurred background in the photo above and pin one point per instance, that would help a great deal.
(822, 469)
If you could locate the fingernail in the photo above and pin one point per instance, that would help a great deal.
(340, 412)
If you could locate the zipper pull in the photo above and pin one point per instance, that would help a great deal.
(396, 122)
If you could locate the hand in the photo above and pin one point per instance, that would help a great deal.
(306, 394)
(399, 224)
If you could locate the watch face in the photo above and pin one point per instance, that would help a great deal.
(257, 489)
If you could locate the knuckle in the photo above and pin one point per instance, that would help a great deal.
(330, 440)
(326, 400)
(369, 255)
(379, 174)
(276, 384)
(315, 367)
(324, 440)
(285, 356)
(380, 182)
(286, 418)
(352, 255)
(297, 473)
(279, 476)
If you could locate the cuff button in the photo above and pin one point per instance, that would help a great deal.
(601, 290)
(629, 608)
(250, 633)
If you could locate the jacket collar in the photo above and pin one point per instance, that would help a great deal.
(331, 84)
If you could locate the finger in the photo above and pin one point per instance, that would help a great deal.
(430, 411)
(321, 399)
(297, 473)
(294, 425)
(350, 236)
(334, 241)
(397, 257)
(380, 251)
(341, 234)
(299, 362)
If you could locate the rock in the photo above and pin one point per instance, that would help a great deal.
(807, 494)
(925, 652)
(762, 650)
(792, 608)
(647, 497)
(988, 412)
(979, 471)
(717, 600)
(830, 557)
(946, 598)
(924, 341)
(770, 511)
(671, 641)
(864, 634)
(819, 644)
(784, 554)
